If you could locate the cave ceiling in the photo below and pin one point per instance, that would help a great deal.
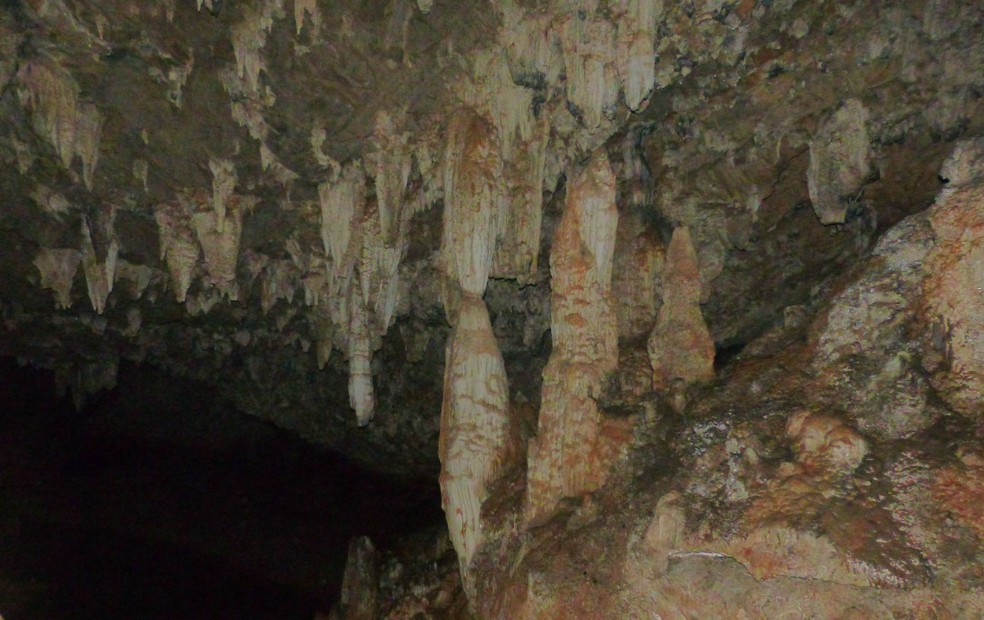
(252, 194)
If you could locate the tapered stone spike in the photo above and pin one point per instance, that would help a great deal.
(567, 457)
(681, 349)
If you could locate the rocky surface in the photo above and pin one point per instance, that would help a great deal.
(703, 280)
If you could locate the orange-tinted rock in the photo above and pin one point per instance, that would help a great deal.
(680, 347)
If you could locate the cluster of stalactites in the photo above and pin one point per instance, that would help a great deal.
(72, 127)
(567, 458)
(195, 225)
(477, 435)
(360, 284)
(98, 255)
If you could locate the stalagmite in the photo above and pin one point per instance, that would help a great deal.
(360, 583)
(567, 458)
(99, 266)
(57, 267)
(840, 162)
(178, 245)
(681, 349)
(478, 436)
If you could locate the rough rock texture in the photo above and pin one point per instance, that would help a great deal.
(323, 209)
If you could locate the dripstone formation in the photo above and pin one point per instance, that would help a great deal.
(681, 302)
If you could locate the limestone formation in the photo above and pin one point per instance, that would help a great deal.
(178, 245)
(478, 437)
(954, 291)
(748, 384)
(680, 347)
(100, 271)
(566, 457)
(57, 267)
(840, 162)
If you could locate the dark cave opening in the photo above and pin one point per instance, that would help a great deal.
(159, 501)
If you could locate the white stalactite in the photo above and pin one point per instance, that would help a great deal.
(51, 95)
(592, 77)
(224, 181)
(178, 245)
(220, 243)
(392, 171)
(58, 267)
(636, 51)
(87, 138)
(360, 360)
(473, 201)
(100, 272)
(342, 205)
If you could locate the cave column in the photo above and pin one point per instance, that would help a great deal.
(477, 434)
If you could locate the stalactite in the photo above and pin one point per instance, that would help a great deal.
(592, 78)
(309, 8)
(87, 137)
(178, 245)
(360, 359)
(636, 49)
(279, 282)
(840, 162)
(567, 458)
(57, 267)
(392, 170)
(249, 37)
(342, 205)
(224, 181)
(636, 279)
(472, 195)
(99, 267)
(681, 349)
(519, 232)
(220, 243)
(51, 95)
